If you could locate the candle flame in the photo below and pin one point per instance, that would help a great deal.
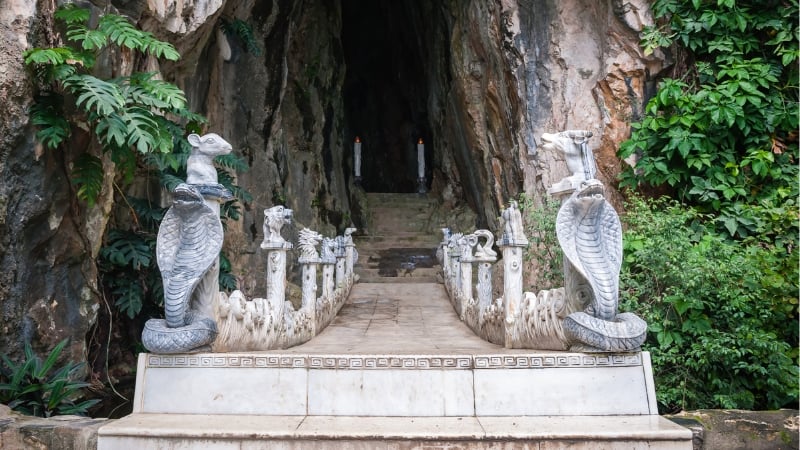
(358, 139)
(420, 141)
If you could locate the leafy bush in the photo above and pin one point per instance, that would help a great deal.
(37, 388)
(722, 314)
(543, 254)
(141, 122)
(722, 133)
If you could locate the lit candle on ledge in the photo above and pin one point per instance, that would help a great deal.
(357, 156)
(420, 159)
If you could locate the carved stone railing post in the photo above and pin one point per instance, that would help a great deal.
(340, 254)
(455, 272)
(309, 259)
(464, 293)
(484, 256)
(276, 246)
(328, 260)
(512, 243)
(443, 254)
(351, 255)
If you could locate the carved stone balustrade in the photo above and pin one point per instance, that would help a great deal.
(583, 315)
(272, 322)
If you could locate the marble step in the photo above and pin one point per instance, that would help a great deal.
(396, 274)
(172, 431)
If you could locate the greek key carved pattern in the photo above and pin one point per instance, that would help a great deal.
(370, 362)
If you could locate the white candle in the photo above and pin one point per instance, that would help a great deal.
(357, 156)
(421, 158)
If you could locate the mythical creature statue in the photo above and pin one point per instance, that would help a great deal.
(513, 231)
(590, 235)
(274, 219)
(328, 250)
(187, 250)
(307, 242)
(580, 160)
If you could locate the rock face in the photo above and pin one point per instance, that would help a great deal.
(478, 81)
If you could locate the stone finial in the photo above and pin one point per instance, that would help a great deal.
(307, 241)
(199, 167)
(573, 144)
(274, 219)
(328, 251)
(513, 231)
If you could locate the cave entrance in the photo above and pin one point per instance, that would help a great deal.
(386, 91)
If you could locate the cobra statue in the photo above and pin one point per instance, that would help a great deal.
(187, 251)
(590, 234)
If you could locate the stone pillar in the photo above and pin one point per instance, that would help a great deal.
(464, 293)
(340, 255)
(276, 271)
(309, 299)
(454, 288)
(328, 260)
(512, 243)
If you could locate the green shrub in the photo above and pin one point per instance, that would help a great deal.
(543, 254)
(138, 120)
(722, 314)
(721, 133)
(37, 388)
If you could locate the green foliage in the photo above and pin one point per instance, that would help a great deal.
(141, 122)
(544, 251)
(125, 114)
(723, 136)
(242, 31)
(38, 388)
(722, 314)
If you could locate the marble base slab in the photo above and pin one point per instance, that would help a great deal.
(447, 385)
(215, 432)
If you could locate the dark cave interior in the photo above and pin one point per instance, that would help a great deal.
(385, 91)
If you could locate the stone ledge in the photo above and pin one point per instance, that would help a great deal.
(18, 431)
(161, 431)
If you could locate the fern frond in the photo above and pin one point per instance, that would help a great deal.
(112, 130)
(145, 89)
(149, 214)
(121, 32)
(47, 113)
(141, 129)
(71, 13)
(165, 138)
(87, 176)
(160, 49)
(87, 38)
(54, 56)
(169, 181)
(95, 94)
(61, 71)
(233, 162)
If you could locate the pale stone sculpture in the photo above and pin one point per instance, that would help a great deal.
(590, 235)
(273, 323)
(580, 160)
(187, 251)
(582, 316)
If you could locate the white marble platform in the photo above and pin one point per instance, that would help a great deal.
(521, 384)
(395, 369)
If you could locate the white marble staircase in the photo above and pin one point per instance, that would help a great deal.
(395, 369)
(397, 246)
